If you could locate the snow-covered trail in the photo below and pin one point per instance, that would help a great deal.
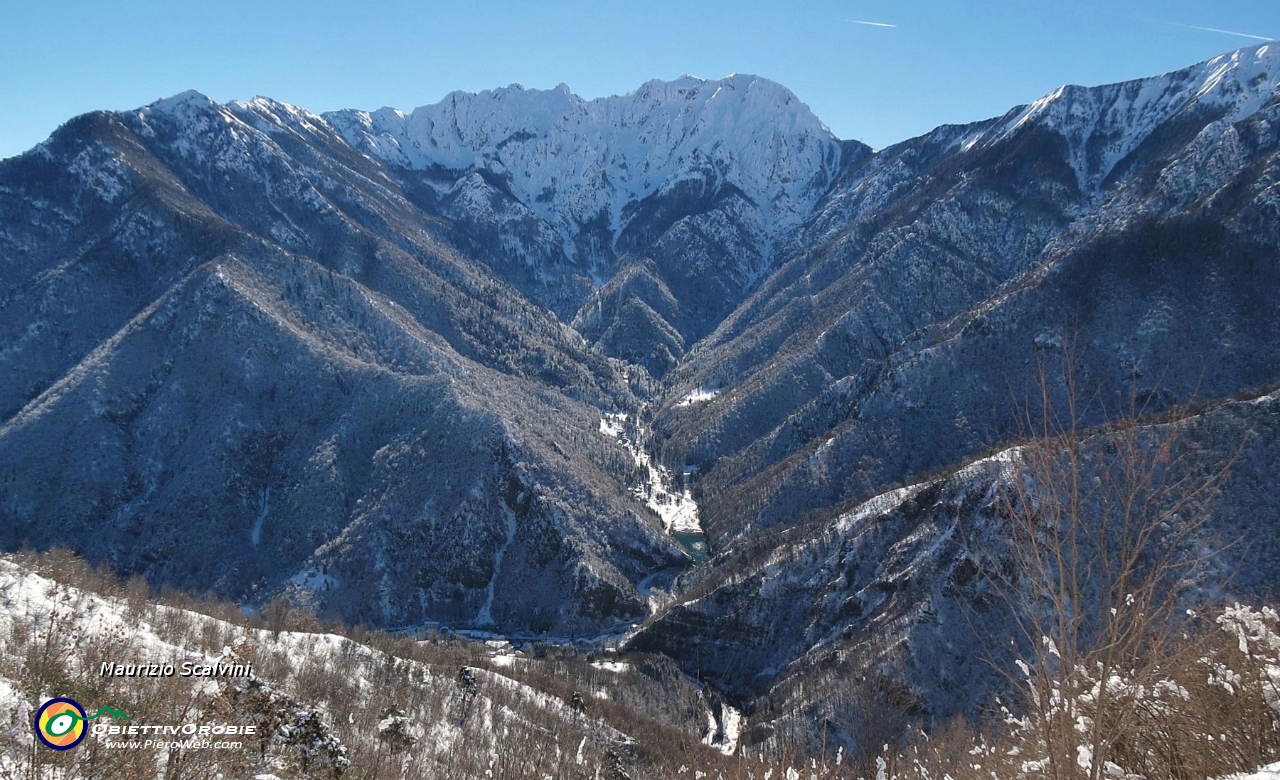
(485, 616)
(264, 508)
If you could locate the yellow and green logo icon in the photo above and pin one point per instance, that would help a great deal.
(60, 723)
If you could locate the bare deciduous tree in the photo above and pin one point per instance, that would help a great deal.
(1104, 524)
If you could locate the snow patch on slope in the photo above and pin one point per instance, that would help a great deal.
(700, 395)
(315, 579)
(1268, 772)
(677, 508)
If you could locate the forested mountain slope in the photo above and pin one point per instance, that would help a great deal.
(465, 365)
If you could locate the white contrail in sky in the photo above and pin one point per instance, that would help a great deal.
(1216, 30)
(869, 24)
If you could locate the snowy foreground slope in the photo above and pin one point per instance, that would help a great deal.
(324, 704)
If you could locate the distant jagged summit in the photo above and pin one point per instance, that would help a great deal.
(574, 161)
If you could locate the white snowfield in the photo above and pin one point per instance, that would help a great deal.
(698, 396)
(1268, 772)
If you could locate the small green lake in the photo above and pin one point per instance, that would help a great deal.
(694, 542)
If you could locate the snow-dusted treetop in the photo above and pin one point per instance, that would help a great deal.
(572, 159)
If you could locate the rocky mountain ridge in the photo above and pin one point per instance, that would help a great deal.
(575, 162)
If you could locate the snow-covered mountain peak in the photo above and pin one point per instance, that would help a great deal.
(181, 104)
(1103, 125)
(573, 160)
(270, 105)
(188, 117)
(240, 135)
(1241, 81)
(1257, 69)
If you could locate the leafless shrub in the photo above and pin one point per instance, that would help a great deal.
(1103, 527)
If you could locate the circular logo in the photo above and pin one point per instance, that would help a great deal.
(60, 723)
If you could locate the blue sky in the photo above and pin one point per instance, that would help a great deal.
(941, 62)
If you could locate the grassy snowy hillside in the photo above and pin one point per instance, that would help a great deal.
(325, 704)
